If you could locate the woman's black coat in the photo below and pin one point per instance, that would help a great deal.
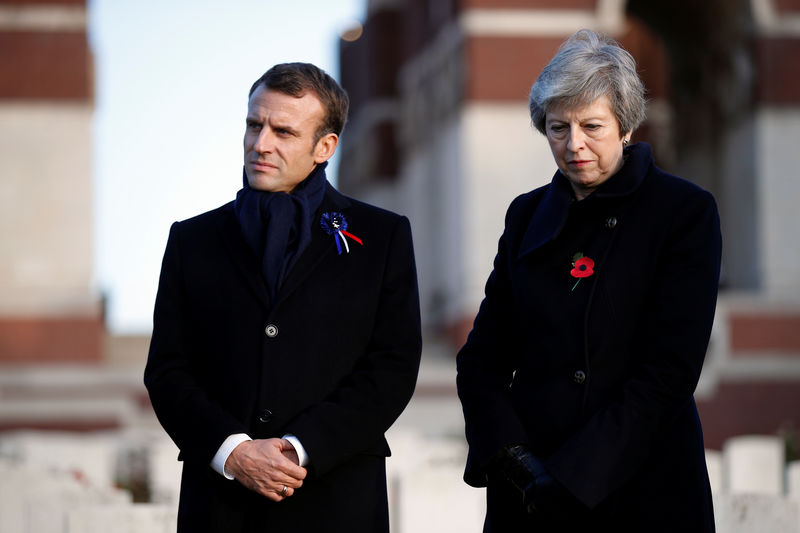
(333, 361)
(597, 378)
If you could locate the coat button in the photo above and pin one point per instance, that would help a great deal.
(271, 330)
(611, 222)
(265, 416)
(579, 376)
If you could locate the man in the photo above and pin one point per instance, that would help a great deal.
(286, 334)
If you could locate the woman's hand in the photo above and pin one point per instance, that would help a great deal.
(541, 493)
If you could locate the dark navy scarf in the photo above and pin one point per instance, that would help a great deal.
(277, 225)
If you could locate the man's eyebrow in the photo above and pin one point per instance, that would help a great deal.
(280, 125)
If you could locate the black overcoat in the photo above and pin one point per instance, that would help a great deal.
(333, 360)
(598, 377)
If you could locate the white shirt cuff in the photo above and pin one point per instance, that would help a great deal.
(218, 462)
(302, 456)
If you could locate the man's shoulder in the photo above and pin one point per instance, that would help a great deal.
(211, 217)
(373, 210)
(199, 231)
(366, 212)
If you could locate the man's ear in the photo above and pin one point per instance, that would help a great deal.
(325, 147)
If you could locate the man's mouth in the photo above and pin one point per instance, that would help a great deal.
(262, 165)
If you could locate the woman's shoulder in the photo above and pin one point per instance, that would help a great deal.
(673, 203)
(525, 204)
(671, 190)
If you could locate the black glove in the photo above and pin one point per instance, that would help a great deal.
(541, 493)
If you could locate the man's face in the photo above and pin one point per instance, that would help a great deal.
(279, 147)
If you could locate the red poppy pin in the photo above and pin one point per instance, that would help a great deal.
(335, 224)
(582, 267)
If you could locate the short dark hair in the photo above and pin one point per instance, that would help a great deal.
(296, 79)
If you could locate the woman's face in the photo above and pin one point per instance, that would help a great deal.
(586, 144)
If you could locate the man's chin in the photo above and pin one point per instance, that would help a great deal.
(261, 180)
(267, 184)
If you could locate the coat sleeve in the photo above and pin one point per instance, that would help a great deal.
(485, 370)
(196, 422)
(613, 445)
(356, 415)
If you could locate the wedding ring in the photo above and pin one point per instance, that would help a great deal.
(284, 491)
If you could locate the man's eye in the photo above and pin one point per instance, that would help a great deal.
(253, 126)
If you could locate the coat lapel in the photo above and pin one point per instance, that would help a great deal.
(320, 246)
(549, 216)
(242, 256)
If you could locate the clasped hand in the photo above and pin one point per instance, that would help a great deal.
(266, 467)
(541, 494)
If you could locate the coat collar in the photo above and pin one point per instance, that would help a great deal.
(551, 213)
(248, 264)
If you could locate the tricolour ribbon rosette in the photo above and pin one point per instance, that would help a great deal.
(335, 224)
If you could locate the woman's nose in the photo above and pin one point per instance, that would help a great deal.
(575, 140)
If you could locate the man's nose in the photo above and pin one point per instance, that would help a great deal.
(264, 142)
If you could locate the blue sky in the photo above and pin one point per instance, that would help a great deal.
(171, 96)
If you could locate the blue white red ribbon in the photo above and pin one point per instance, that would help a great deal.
(336, 224)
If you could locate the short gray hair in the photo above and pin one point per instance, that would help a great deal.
(586, 67)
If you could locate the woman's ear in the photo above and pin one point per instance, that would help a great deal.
(626, 137)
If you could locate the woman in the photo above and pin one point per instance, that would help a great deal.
(577, 378)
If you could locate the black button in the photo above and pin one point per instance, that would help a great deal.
(579, 376)
(271, 330)
(265, 416)
(611, 222)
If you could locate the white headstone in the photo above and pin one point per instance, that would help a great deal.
(714, 466)
(36, 499)
(86, 456)
(134, 518)
(754, 464)
(793, 480)
(756, 513)
(426, 490)
(164, 471)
